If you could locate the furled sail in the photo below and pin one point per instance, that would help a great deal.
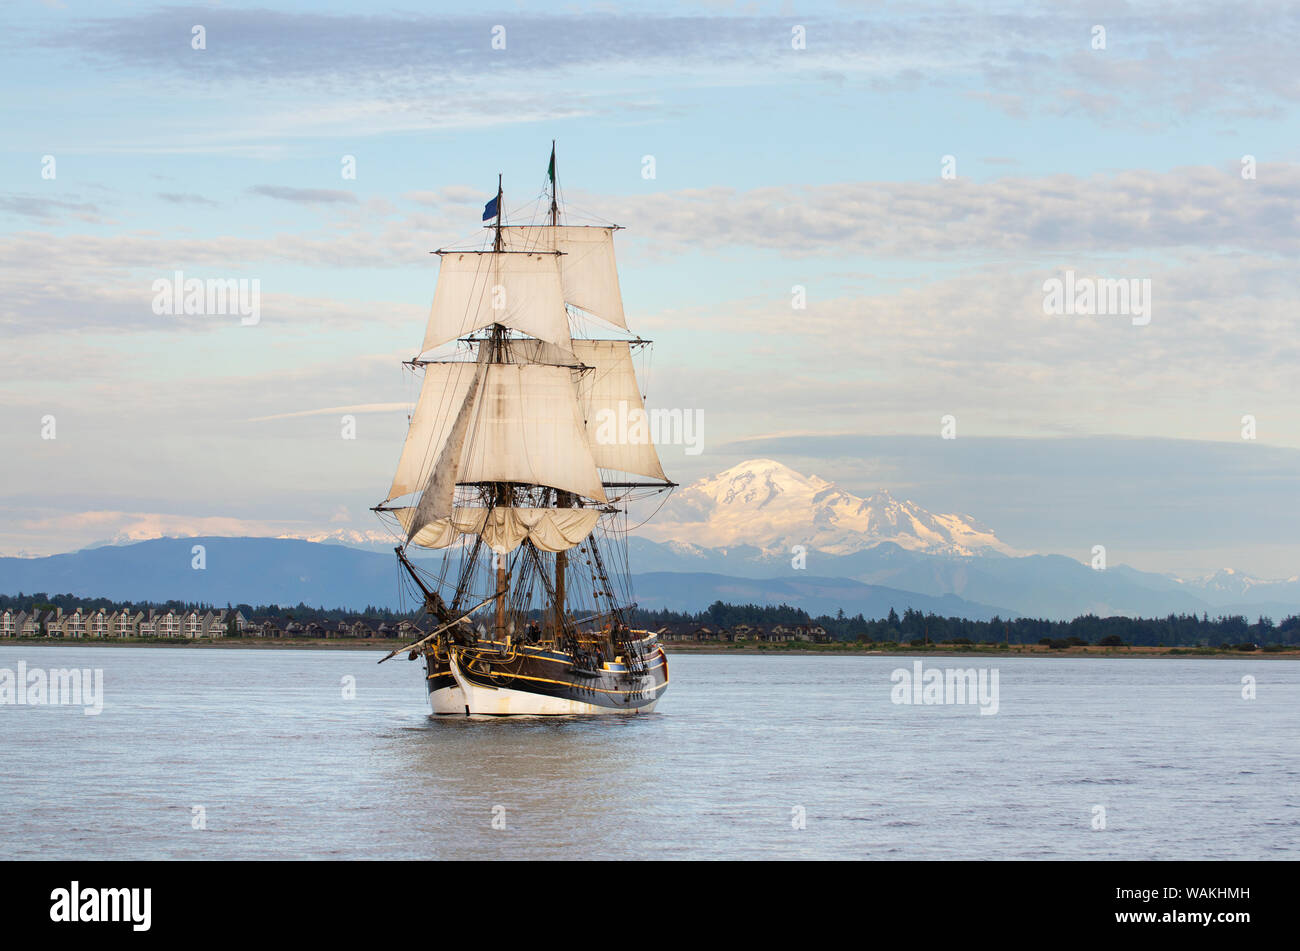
(587, 269)
(504, 529)
(478, 289)
(523, 425)
(527, 350)
(617, 428)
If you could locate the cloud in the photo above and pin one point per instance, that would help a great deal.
(310, 196)
(1114, 212)
(1187, 57)
(336, 410)
(51, 532)
(449, 194)
(180, 198)
(978, 346)
(961, 221)
(116, 296)
(48, 209)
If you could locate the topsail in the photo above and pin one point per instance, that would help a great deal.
(517, 291)
(588, 275)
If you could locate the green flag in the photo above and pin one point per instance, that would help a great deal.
(551, 169)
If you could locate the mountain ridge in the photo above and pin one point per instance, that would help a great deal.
(286, 571)
(289, 571)
(764, 497)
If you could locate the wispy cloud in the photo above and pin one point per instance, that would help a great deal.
(48, 209)
(309, 196)
(336, 410)
(1122, 211)
(184, 198)
(47, 531)
(1192, 56)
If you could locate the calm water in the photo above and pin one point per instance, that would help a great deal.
(285, 767)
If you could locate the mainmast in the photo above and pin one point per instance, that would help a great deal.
(496, 242)
(500, 490)
(555, 209)
(562, 499)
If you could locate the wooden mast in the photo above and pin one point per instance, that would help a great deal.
(562, 499)
(501, 489)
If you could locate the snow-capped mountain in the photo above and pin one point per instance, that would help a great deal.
(1226, 581)
(1228, 585)
(771, 506)
(375, 539)
(368, 540)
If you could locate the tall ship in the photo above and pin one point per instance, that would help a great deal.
(527, 444)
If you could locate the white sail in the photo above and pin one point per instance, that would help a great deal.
(523, 425)
(440, 492)
(529, 430)
(478, 289)
(618, 431)
(587, 270)
(445, 388)
(504, 529)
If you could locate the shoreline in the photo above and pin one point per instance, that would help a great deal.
(836, 650)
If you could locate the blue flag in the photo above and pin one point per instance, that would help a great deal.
(490, 209)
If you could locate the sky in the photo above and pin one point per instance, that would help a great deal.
(918, 170)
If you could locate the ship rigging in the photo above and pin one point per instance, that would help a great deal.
(507, 471)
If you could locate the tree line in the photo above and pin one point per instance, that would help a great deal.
(1175, 630)
(41, 601)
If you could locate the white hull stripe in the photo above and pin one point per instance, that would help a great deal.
(503, 701)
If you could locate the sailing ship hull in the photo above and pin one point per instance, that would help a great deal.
(536, 681)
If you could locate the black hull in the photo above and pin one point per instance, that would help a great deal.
(541, 673)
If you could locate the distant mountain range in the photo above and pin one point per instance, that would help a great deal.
(237, 571)
(746, 521)
(285, 571)
(729, 537)
(1049, 586)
